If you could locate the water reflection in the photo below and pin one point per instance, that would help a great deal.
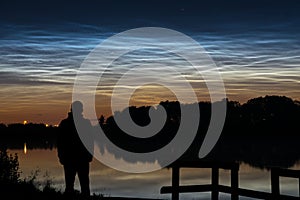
(114, 183)
(25, 148)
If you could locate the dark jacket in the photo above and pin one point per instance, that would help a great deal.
(70, 148)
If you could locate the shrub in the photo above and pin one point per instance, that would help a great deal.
(9, 167)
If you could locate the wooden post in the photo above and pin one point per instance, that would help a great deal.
(215, 183)
(175, 183)
(234, 183)
(275, 189)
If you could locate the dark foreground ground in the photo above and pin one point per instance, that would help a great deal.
(26, 190)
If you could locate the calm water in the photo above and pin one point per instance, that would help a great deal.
(110, 182)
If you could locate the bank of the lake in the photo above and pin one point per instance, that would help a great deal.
(112, 183)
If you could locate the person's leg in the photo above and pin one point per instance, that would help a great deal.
(70, 173)
(83, 175)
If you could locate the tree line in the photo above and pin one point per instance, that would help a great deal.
(264, 131)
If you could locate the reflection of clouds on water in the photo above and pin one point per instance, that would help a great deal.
(114, 160)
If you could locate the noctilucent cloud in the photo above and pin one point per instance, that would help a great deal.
(255, 44)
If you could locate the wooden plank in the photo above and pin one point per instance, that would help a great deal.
(245, 192)
(225, 189)
(288, 173)
(254, 194)
(187, 188)
(205, 164)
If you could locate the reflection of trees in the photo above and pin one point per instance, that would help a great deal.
(9, 168)
(13, 136)
(263, 132)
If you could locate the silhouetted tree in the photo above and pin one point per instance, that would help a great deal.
(101, 120)
(264, 131)
(9, 168)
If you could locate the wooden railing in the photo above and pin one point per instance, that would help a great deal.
(175, 189)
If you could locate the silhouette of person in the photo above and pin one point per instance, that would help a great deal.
(72, 153)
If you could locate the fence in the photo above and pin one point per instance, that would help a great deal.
(215, 188)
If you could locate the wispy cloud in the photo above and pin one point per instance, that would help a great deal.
(253, 60)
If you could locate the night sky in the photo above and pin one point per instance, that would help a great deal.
(255, 44)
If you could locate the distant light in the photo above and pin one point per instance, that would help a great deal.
(25, 148)
(56, 125)
(47, 125)
(25, 122)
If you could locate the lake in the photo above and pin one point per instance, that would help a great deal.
(111, 182)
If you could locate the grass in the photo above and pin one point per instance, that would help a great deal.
(29, 188)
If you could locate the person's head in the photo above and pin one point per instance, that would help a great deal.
(77, 107)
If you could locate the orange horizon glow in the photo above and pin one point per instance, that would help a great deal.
(52, 117)
(51, 109)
